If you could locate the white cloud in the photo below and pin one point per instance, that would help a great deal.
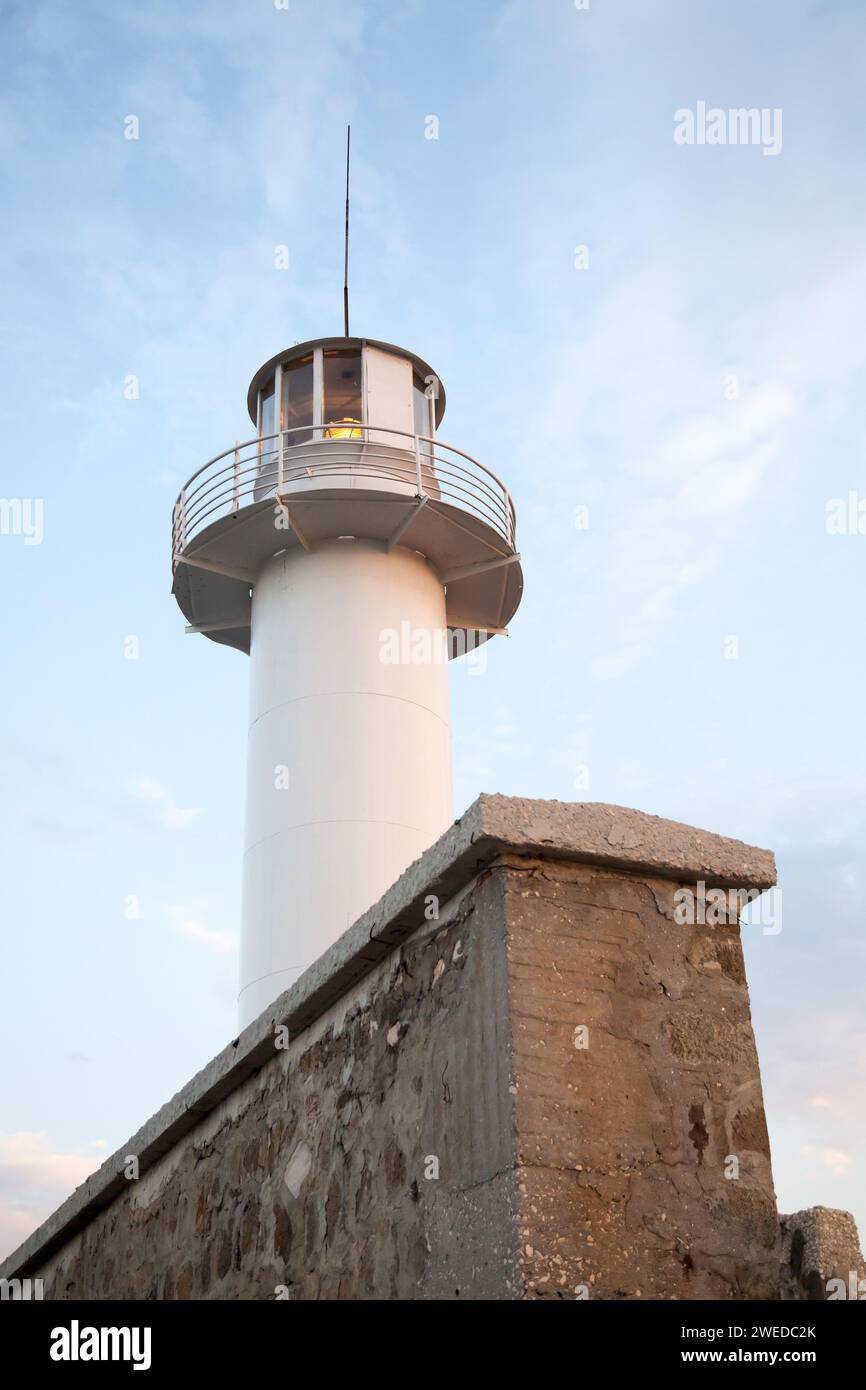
(835, 1159)
(153, 793)
(188, 921)
(34, 1178)
(28, 1162)
(677, 495)
(611, 667)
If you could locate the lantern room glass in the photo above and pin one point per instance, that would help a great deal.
(343, 412)
(268, 427)
(322, 398)
(297, 404)
(421, 407)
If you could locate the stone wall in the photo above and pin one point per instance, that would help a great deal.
(548, 1090)
(311, 1174)
(821, 1257)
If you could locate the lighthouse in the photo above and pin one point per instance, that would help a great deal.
(351, 553)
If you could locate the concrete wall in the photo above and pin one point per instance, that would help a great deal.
(624, 1147)
(543, 1092)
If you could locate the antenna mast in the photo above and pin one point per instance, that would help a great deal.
(346, 253)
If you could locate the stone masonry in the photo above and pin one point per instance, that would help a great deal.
(517, 1076)
(821, 1256)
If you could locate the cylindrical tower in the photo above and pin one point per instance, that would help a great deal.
(352, 554)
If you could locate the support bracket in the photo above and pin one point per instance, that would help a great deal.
(477, 627)
(222, 626)
(214, 566)
(420, 504)
(305, 540)
(467, 571)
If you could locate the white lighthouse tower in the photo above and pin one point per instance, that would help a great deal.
(351, 553)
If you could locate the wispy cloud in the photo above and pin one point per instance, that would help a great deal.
(684, 461)
(34, 1177)
(188, 920)
(835, 1159)
(152, 793)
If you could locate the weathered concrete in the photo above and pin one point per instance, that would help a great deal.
(821, 1256)
(643, 1150)
(550, 1090)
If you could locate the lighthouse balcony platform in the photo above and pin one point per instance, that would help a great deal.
(350, 482)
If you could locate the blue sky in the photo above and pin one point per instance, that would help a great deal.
(697, 386)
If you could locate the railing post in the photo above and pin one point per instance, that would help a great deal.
(419, 484)
(278, 421)
(281, 463)
(180, 522)
(236, 478)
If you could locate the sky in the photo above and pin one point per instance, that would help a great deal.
(657, 345)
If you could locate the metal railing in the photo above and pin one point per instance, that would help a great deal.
(269, 467)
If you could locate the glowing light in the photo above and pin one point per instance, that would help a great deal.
(347, 428)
